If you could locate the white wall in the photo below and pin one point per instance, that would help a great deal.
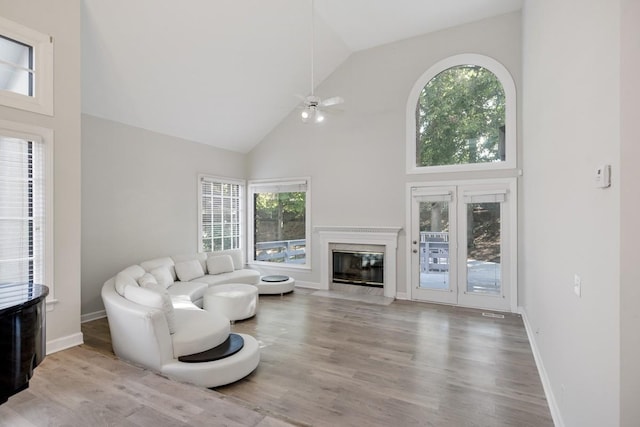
(571, 110)
(139, 198)
(60, 19)
(629, 224)
(356, 160)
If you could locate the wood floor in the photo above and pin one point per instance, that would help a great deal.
(324, 362)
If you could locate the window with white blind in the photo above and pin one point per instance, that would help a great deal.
(26, 68)
(25, 207)
(279, 222)
(220, 213)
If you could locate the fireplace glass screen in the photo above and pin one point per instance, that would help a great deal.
(358, 268)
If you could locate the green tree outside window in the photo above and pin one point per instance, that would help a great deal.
(460, 118)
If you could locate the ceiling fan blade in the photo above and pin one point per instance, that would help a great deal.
(334, 111)
(336, 100)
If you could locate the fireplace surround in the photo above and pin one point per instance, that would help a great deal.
(381, 239)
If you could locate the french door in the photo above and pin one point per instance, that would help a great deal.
(462, 244)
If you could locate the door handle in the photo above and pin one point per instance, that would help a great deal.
(415, 242)
(415, 251)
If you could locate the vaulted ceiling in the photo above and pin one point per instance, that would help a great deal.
(226, 72)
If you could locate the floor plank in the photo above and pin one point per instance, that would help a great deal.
(332, 361)
(325, 361)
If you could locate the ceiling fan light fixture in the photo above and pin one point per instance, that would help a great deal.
(311, 114)
(313, 105)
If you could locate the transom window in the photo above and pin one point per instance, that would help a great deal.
(279, 221)
(16, 66)
(220, 213)
(26, 68)
(461, 116)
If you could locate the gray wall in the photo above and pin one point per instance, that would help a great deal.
(139, 198)
(62, 21)
(588, 346)
(571, 124)
(629, 224)
(356, 159)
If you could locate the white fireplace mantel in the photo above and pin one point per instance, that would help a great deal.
(357, 235)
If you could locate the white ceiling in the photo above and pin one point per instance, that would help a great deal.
(226, 72)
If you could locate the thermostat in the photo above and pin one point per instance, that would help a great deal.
(603, 176)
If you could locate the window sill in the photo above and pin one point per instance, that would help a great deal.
(279, 266)
(468, 167)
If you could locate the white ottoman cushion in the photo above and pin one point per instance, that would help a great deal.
(271, 288)
(236, 301)
(197, 331)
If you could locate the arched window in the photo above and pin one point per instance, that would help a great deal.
(461, 116)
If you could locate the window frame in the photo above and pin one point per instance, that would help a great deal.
(42, 99)
(45, 137)
(263, 183)
(509, 87)
(241, 210)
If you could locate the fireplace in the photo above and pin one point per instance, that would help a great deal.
(355, 240)
(362, 268)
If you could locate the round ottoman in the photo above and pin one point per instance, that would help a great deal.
(236, 301)
(271, 285)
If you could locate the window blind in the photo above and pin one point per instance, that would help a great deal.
(491, 196)
(22, 210)
(429, 195)
(280, 187)
(220, 214)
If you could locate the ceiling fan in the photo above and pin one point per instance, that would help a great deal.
(312, 105)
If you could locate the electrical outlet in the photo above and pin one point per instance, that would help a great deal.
(577, 285)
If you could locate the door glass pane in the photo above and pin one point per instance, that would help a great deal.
(434, 245)
(483, 248)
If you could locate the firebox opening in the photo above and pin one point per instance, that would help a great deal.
(358, 268)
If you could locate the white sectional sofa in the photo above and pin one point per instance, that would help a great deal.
(155, 316)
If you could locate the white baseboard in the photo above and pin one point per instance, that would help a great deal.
(308, 285)
(64, 343)
(93, 316)
(546, 384)
(402, 295)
